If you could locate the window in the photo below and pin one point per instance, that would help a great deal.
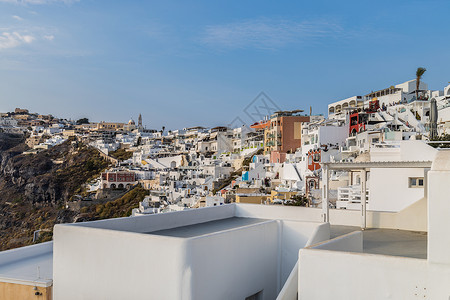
(316, 157)
(416, 182)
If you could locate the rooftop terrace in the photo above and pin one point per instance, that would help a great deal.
(388, 241)
(28, 265)
(209, 227)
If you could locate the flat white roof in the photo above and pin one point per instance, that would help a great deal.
(376, 164)
(31, 265)
(209, 227)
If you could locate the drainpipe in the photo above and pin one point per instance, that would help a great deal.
(325, 200)
(363, 198)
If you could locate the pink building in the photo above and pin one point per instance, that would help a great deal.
(118, 180)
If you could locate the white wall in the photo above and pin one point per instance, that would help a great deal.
(91, 263)
(333, 134)
(351, 242)
(288, 172)
(390, 191)
(444, 115)
(278, 212)
(413, 217)
(438, 208)
(233, 264)
(164, 221)
(113, 259)
(417, 151)
(406, 151)
(294, 236)
(346, 275)
(390, 99)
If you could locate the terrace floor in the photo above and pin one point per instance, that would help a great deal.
(208, 227)
(388, 241)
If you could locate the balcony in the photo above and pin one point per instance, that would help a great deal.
(350, 197)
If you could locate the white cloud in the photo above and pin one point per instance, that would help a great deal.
(17, 18)
(49, 37)
(39, 2)
(14, 39)
(266, 34)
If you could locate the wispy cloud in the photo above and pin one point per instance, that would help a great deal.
(38, 2)
(14, 39)
(49, 37)
(266, 33)
(17, 18)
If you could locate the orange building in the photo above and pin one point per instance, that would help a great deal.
(314, 159)
(284, 134)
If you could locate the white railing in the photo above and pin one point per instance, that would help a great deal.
(349, 197)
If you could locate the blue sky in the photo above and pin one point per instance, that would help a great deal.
(187, 63)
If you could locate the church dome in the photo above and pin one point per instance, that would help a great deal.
(131, 122)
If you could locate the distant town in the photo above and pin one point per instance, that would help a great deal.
(274, 161)
(112, 207)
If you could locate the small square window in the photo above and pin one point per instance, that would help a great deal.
(416, 182)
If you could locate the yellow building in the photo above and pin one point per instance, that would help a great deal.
(14, 291)
(27, 273)
(110, 125)
(251, 198)
(281, 195)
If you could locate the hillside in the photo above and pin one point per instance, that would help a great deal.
(34, 187)
(115, 209)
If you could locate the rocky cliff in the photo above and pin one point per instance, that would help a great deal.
(34, 187)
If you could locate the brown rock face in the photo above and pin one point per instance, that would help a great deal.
(34, 188)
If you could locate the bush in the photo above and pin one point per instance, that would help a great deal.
(121, 154)
(298, 200)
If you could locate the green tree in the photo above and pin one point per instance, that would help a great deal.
(419, 73)
(83, 121)
(298, 200)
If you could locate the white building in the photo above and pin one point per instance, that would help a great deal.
(8, 122)
(252, 250)
(338, 109)
(261, 251)
(411, 266)
(390, 189)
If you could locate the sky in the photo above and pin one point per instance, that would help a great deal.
(203, 63)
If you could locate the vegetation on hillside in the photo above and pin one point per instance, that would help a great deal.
(441, 138)
(121, 154)
(249, 159)
(228, 180)
(298, 200)
(29, 218)
(82, 121)
(121, 207)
